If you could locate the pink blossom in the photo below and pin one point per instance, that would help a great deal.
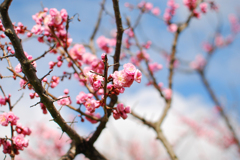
(103, 56)
(44, 79)
(22, 83)
(37, 29)
(43, 107)
(20, 142)
(95, 80)
(59, 63)
(51, 64)
(98, 116)
(91, 105)
(148, 6)
(120, 107)
(154, 67)
(121, 79)
(147, 45)
(129, 68)
(103, 43)
(121, 111)
(129, 32)
(198, 63)
(160, 85)
(12, 118)
(127, 109)
(156, 11)
(18, 68)
(77, 51)
(55, 16)
(196, 14)
(219, 41)
(203, 7)
(23, 130)
(116, 115)
(2, 101)
(191, 4)
(66, 91)
(64, 14)
(172, 27)
(207, 47)
(4, 119)
(32, 95)
(167, 93)
(82, 97)
(64, 101)
(54, 81)
(138, 76)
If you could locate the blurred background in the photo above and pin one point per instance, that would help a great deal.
(193, 126)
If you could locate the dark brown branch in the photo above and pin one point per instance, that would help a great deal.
(160, 135)
(10, 55)
(30, 72)
(18, 100)
(215, 100)
(114, 98)
(119, 34)
(43, 54)
(181, 27)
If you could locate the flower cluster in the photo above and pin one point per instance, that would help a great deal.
(18, 68)
(64, 101)
(169, 13)
(88, 101)
(105, 44)
(192, 4)
(46, 24)
(198, 63)
(95, 115)
(141, 55)
(121, 111)
(3, 100)
(235, 25)
(18, 141)
(125, 77)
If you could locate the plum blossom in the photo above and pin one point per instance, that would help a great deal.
(154, 67)
(156, 11)
(91, 105)
(167, 93)
(12, 118)
(4, 119)
(18, 68)
(172, 28)
(121, 111)
(104, 43)
(64, 101)
(203, 7)
(129, 68)
(82, 97)
(93, 115)
(3, 101)
(138, 76)
(95, 80)
(125, 77)
(23, 130)
(207, 47)
(43, 107)
(198, 63)
(77, 51)
(20, 142)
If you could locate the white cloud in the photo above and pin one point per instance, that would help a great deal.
(188, 144)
